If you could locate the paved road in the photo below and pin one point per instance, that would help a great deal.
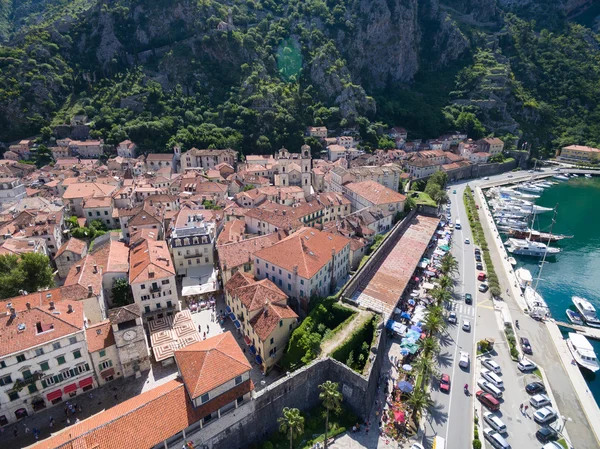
(448, 419)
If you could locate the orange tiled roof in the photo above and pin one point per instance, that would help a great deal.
(233, 231)
(267, 320)
(89, 273)
(113, 257)
(73, 245)
(252, 293)
(307, 249)
(375, 193)
(210, 363)
(99, 336)
(150, 257)
(22, 332)
(234, 254)
(142, 421)
(87, 190)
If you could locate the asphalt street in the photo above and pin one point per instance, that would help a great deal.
(452, 417)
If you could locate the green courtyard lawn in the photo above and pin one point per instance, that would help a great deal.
(422, 198)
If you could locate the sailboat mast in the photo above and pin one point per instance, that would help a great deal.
(537, 281)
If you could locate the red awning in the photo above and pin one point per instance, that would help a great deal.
(247, 340)
(70, 388)
(54, 395)
(86, 382)
(108, 373)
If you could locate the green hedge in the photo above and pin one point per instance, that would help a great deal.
(326, 317)
(354, 351)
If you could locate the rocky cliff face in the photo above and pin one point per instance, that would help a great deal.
(387, 44)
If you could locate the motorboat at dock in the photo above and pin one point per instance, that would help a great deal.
(538, 308)
(523, 277)
(574, 317)
(583, 352)
(587, 311)
(561, 177)
(526, 247)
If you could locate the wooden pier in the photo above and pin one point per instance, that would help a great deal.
(586, 331)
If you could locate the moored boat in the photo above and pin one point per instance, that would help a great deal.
(523, 277)
(538, 308)
(583, 352)
(526, 247)
(512, 261)
(574, 317)
(587, 311)
(537, 236)
(561, 177)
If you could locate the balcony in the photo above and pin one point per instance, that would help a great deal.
(155, 288)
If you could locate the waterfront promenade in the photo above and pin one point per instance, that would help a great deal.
(569, 388)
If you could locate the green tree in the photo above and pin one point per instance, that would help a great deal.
(419, 401)
(29, 272)
(332, 399)
(449, 264)
(121, 292)
(446, 282)
(248, 187)
(43, 156)
(434, 323)
(72, 222)
(98, 225)
(429, 346)
(291, 423)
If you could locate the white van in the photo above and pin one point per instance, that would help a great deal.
(494, 422)
(489, 388)
(495, 439)
(492, 377)
(457, 224)
(491, 365)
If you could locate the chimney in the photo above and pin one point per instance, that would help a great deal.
(13, 312)
(51, 305)
(78, 268)
(28, 305)
(69, 308)
(90, 290)
(95, 268)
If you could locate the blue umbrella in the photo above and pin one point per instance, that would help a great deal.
(405, 386)
(404, 351)
(411, 302)
(405, 315)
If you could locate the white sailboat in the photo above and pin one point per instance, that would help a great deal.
(524, 277)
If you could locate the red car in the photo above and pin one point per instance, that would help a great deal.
(481, 277)
(445, 383)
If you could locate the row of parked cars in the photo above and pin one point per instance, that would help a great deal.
(491, 393)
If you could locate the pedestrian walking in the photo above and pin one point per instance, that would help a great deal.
(207, 328)
(526, 407)
(521, 408)
(15, 432)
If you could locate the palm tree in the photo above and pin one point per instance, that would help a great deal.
(440, 295)
(446, 282)
(292, 423)
(449, 264)
(331, 398)
(419, 401)
(434, 323)
(424, 365)
(429, 346)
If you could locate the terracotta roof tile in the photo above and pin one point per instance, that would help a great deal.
(73, 245)
(113, 257)
(375, 193)
(252, 293)
(233, 231)
(307, 249)
(210, 363)
(267, 320)
(150, 257)
(233, 255)
(87, 190)
(126, 313)
(99, 336)
(86, 272)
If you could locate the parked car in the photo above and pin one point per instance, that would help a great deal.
(479, 266)
(477, 257)
(466, 325)
(492, 377)
(495, 439)
(526, 365)
(525, 345)
(491, 365)
(483, 288)
(545, 415)
(546, 434)
(488, 400)
(454, 191)
(481, 277)
(452, 318)
(509, 176)
(464, 359)
(468, 298)
(486, 178)
(552, 445)
(467, 241)
(445, 383)
(539, 400)
(494, 422)
(489, 387)
(535, 388)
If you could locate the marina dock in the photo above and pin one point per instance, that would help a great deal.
(588, 332)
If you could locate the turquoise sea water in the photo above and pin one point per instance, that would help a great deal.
(576, 270)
